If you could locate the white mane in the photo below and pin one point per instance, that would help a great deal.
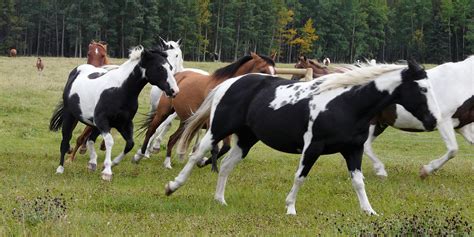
(355, 77)
(136, 53)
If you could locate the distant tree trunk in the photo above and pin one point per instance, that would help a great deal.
(122, 46)
(62, 38)
(271, 42)
(217, 25)
(38, 39)
(25, 48)
(80, 42)
(204, 52)
(237, 41)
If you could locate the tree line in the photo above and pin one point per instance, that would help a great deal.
(431, 31)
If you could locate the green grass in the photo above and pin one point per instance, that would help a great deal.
(36, 201)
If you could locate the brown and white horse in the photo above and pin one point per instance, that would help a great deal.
(194, 88)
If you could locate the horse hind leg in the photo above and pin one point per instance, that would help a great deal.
(172, 141)
(68, 124)
(155, 141)
(217, 153)
(92, 164)
(81, 143)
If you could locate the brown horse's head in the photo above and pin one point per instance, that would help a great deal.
(97, 54)
(12, 52)
(318, 69)
(258, 64)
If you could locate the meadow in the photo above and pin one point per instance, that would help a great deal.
(36, 201)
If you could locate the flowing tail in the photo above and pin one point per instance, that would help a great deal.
(195, 123)
(56, 121)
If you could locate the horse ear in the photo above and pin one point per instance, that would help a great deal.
(273, 56)
(178, 42)
(162, 42)
(414, 72)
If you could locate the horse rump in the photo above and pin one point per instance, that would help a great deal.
(57, 118)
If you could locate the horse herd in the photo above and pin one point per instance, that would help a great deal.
(341, 111)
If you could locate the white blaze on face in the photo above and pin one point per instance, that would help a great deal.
(96, 51)
(272, 70)
(171, 80)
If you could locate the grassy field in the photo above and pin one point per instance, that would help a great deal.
(36, 201)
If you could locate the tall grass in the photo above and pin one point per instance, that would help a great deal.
(80, 203)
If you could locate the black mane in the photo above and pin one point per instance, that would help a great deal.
(231, 69)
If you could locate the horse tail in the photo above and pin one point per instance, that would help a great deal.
(56, 121)
(146, 122)
(195, 122)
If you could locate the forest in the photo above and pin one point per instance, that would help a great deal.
(431, 31)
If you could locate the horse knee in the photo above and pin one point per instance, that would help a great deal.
(129, 145)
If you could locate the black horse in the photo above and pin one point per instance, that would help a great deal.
(105, 99)
(313, 118)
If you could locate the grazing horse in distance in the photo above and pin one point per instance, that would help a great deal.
(453, 86)
(39, 65)
(326, 61)
(314, 118)
(105, 99)
(318, 69)
(12, 52)
(194, 89)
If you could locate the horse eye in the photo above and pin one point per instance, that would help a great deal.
(176, 55)
(423, 89)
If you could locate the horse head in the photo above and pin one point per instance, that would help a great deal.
(261, 64)
(175, 55)
(415, 95)
(158, 71)
(97, 54)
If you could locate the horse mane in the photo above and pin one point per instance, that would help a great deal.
(312, 62)
(232, 68)
(355, 77)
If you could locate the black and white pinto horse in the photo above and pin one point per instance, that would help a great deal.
(312, 118)
(105, 99)
(453, 86)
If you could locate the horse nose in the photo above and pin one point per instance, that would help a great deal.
(174, 92)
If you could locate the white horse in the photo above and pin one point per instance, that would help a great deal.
(453, 86)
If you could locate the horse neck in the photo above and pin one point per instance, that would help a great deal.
(368, 101)
(134, 84)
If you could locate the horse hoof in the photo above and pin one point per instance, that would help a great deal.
(202, 162)
(60, 170)
(168, 166)
(155, 150)
(168, 190)
(91, 167)
(382, 174)
(107, 177)
(424, 173)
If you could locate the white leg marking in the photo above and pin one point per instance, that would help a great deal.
(447, 133)
(118, 159)
(92, 165)
(109, 142)
(206, 145)
(379, 167)
(227, 165)
(167, 163)
(359, 187)
(291, 198)
(60, 170)
(138, 156)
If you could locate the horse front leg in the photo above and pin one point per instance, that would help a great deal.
(204, 146)
(446, 130)
(154, 145)
(353, 157)
(127, 134)
(308, 158)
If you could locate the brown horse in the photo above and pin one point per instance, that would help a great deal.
(96, 56)
(12, 52)
(318, 68)
(39, 65)
(194, 88)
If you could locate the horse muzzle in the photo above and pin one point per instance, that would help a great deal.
(172, 92)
